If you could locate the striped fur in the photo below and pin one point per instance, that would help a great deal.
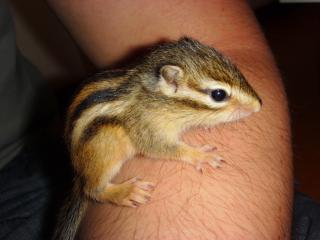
(117, 114)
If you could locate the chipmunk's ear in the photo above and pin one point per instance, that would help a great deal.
(171, 75)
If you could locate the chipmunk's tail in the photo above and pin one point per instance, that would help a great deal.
(71, 214)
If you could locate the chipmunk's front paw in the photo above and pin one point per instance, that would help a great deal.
(205, 156)
(207, 148)
(215, 161)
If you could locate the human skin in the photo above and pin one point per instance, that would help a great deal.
(250, 197)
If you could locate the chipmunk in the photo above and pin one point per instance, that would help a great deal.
(144, 110)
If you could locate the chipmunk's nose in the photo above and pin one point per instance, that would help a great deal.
(257, 105)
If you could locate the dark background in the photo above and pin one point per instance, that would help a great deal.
(293, 32)
(291, 29)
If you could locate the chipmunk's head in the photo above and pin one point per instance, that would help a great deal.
(198, 76)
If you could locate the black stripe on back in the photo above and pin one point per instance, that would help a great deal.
(94, 127)
(107, 75)
(105, 95)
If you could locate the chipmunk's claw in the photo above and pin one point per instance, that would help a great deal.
(139, 193)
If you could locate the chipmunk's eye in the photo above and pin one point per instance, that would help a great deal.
(219, 95)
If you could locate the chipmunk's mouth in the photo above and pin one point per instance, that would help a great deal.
(244, 111)
(241, 113)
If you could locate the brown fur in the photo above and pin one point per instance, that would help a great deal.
(98, 157)
(111, 120)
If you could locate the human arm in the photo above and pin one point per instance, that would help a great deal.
(250, 197)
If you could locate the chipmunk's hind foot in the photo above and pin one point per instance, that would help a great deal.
(131, 193)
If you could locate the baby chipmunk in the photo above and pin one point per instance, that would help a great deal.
(118, 114)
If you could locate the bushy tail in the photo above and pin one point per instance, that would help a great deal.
(71, 215)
